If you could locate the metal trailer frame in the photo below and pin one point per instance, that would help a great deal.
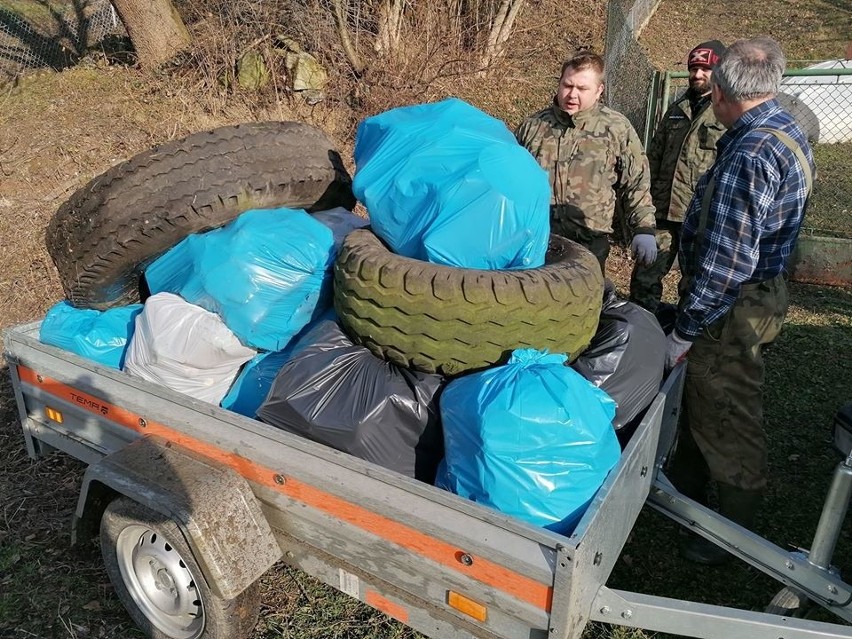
(396, 544)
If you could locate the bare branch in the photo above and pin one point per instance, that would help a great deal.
(390, 14)
(345, 41)
(501, 29)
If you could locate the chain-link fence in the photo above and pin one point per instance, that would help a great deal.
(820, 98)
(53, 34)
(629, 73)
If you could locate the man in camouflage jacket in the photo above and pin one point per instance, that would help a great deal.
(681, 151)
(593, 157)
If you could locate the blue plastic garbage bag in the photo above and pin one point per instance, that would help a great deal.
(447, 183)
(262, 273)
(255, 379)
(532, 439)
(341, 222)
(101, 336)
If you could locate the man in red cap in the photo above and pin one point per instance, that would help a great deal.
(682, 149)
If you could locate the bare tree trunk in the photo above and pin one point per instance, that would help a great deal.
(454, 11)
(345, 40)
(155, 28)
(501, 29)
(390, 24)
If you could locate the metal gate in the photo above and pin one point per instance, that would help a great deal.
(821, 101)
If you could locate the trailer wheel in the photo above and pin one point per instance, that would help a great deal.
(448, 320)
(790, 602)
(161, 585)
(102, 238)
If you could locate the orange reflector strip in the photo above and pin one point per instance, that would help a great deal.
(492, 574)
(467, 606)
(387, 606)
(53, 414)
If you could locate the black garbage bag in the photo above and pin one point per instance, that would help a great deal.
(626, 356)
(667, 316)
(339, 394)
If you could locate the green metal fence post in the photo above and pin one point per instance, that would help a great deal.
(653, 105)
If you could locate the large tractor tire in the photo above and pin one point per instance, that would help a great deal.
(447, 320)
(102, 238)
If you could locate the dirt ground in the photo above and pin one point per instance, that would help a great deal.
(58, 130)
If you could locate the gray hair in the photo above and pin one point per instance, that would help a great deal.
(750, 69)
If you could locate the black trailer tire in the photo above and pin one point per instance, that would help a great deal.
(158, 580)
(790, 602)
(446, 320)
(109, 230)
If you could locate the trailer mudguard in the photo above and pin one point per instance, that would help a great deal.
(212, 505)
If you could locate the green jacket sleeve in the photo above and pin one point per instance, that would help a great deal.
(634, 185)
(656, 148)
(522, 133)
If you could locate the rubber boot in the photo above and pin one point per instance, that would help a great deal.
(688, 471)
(736, 504)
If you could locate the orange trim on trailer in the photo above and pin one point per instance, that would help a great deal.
(487, 572)
(387, 606)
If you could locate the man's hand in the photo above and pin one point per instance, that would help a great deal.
(644, 247)
(676, 349)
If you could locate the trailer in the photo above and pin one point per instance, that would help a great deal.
(193, 504)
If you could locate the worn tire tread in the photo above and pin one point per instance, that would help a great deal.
(109, 230)
(441, 319)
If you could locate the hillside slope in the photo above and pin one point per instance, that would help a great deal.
(806, 29)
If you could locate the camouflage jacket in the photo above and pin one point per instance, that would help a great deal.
(592, 158)
(683, 148)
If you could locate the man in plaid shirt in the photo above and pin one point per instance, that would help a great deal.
(738, 234)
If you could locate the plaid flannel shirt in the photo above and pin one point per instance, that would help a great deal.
(754, 219)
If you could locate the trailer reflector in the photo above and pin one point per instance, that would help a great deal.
(467, 606)
(53, 414)
(387, 606)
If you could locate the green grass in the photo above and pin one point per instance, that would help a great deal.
(830, 208)
(808, 373)
(308, 609)
(70, 604)
(35, 12)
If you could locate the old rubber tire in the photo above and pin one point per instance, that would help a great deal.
(447, 320)
(105, 234)
(159, 582)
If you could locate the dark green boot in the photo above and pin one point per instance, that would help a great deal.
(688, 470)
(736, 504)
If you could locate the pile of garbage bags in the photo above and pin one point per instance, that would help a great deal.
(242, 317)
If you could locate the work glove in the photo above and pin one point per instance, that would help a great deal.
(676, 349)
(644, 247)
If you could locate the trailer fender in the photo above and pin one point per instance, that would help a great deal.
(213, 506)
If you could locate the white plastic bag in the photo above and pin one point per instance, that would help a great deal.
(185, 348)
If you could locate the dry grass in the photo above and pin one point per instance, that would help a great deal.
(807, 30)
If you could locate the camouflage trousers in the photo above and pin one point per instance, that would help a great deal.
(723, 399)
(646, 282)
